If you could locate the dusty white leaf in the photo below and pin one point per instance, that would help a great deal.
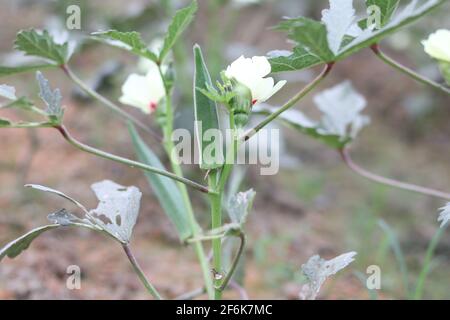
(52, 98)
(341, 106)
(444, 215)
(240, 205)
(117, 210)
(339, 20)
(317, 270)
(8, 92)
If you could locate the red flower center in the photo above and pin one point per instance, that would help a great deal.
(152, 106)
(254, 101)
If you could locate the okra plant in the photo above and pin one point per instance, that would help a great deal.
(228, 101)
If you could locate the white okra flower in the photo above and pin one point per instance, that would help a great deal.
(251, 72)
(143, 92)
(438, 45)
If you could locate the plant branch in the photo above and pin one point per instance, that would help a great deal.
(112, 106)
(150, 288)
(131, 163)
(411, 73)
(345, 155)
(301, 94)
(176, 168)
(235, 263)
(216, 222)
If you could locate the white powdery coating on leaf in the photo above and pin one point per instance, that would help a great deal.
(444, 215)
(338, 20)
(317, 270)
(240, 205)
(117, 210)
(7, 92)
(341, 106)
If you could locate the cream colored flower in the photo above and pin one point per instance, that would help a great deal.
(438, 45)
(251, 72)
(143, 92)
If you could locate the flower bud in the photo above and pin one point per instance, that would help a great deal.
(241, 104)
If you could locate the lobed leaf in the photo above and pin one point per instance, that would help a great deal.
(52, 98)
(317, 270)
(117, 210)
(130, 41)
(336, 37)
(180, 22)
(41, 44)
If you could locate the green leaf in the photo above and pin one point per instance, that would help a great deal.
(180, 22)
(409, 14)
(387, 9)
(310, 36)
(290, 61)
(41, 44)
(313, 42)
(4, 123)
(206, 113)
(52, 99)
(165, 189)
(15, 247)
(8, 71)
(130, 41)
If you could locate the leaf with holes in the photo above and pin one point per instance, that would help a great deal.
(118, 209)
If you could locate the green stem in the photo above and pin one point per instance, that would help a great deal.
(235, 263)
(115, 108)
(216, 222)
(169, 147)
(427, 263)
(411, 73)
(131, 163)
(301, 94)
(150, 288)
(345, 155)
